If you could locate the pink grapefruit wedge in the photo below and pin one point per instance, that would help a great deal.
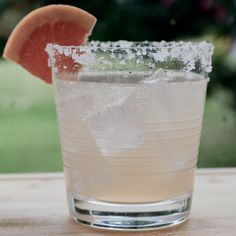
(60, 24)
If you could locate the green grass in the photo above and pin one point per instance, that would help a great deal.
(28, 129)
(218, 142)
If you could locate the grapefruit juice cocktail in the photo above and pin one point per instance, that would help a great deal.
(130, 117)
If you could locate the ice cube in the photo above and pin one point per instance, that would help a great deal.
(104, 96)
(158, 76)
(114, 131)
(110, 119)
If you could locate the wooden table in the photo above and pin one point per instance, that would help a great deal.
(35, 204)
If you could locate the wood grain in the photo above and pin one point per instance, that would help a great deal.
(35, 205)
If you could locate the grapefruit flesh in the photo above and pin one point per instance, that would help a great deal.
(61, 24)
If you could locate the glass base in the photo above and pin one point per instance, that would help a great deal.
(130, 217)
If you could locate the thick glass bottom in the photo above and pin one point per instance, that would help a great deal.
(131, 217)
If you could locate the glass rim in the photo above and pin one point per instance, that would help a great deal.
(124, 44)
(190, 55)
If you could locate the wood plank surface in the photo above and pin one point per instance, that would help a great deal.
(35, 205)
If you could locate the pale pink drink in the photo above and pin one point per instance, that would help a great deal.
(130, 121)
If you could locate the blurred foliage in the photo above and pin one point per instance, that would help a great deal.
(23, 108)
(211, 20)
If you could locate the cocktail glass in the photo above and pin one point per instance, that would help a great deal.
(130, 117)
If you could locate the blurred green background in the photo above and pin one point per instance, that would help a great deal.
(28, 130)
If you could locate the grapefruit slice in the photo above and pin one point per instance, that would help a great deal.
(61, 24)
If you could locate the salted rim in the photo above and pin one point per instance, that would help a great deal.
(187, 52)
(123, 44)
